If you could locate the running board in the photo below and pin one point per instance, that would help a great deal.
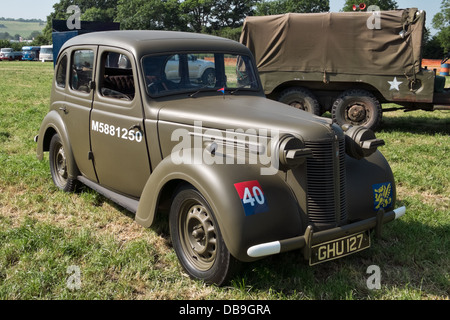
(126, 202)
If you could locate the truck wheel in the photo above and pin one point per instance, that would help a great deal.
(357, 107)
(197, 239)
(300, 98)
(58, 165)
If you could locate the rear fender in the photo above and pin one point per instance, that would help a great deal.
(274, 215)
(53, 124)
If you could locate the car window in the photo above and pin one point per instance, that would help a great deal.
(175, 73)
(61, 73)
(81, 70)
(117, 76)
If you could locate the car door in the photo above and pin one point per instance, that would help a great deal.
(75, 74)
(119, 148)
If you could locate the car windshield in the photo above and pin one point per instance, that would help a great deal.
(194, 72)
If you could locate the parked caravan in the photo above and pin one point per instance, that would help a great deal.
(46, 53)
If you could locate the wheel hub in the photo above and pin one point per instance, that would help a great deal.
(356, 113)
(198, 233)
(61, 165)
(298, 105)
(200, 237)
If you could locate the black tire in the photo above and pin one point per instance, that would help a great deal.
(197, 239)
(357, 107)
(209, 78)
(58, 166)
(300, 98)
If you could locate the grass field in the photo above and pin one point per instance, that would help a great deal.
(55, 245)
(22, 28)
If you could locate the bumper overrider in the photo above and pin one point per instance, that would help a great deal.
(330, 244)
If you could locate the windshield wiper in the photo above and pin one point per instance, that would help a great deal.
(192, 95)
(242, 86)
(200, 89)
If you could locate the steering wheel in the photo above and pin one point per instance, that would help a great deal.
(157, 86)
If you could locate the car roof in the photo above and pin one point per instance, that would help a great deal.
(143, 42)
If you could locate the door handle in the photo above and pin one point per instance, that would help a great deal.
(63, 108)
(135, 126)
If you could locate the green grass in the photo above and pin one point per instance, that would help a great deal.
(43, 231)
(22, 28)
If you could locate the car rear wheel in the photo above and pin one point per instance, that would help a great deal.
(357, 107)
(58, 165)
(197, 239)
(300, 98)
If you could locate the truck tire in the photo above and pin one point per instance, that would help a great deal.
(300, 98)
(58, 166)
(357, 107)
(197, 239)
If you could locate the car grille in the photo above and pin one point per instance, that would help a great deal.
(326, 200)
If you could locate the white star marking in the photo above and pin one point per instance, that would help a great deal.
(394, 84)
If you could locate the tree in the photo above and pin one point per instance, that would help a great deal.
(34, 35)
(197, 13)
(231, 13)
(5, 36)
(150, 15)
(97, 14)
(431, 47)
(441, 22)
(285, 6)
(104, 11)
(382, 4)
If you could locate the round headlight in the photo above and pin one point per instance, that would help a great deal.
(292, 152)
(360, 142)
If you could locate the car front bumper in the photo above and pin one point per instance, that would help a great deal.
(312, 239)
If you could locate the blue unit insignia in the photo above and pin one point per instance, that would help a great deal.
(382, 195)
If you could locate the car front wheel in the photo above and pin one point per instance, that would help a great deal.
(197, 239)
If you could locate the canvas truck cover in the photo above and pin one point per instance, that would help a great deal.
(344, 42)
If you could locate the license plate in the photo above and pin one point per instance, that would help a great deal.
(338, 248)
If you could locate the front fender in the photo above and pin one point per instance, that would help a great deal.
(370, 186)
(278, 216)
(53, 124)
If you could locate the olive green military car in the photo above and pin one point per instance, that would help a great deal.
(239, 176)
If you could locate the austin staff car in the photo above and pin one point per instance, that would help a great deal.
(238, 176)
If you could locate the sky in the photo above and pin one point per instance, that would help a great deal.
(40, 9)
(431, 7)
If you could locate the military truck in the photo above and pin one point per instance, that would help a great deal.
(347, 63)
(238, 176)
